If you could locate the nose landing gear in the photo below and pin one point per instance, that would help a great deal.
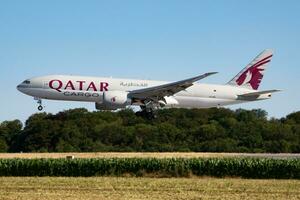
(39, 101)
(40, 108)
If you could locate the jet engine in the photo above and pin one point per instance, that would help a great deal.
(113, 100)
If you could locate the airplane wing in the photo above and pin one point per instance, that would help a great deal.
(158, 92)
(256, 94)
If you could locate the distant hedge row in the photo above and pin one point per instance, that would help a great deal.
(166, 167)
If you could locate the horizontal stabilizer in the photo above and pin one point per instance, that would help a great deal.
(254, 94)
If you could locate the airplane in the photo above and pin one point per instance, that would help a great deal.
(150, 95)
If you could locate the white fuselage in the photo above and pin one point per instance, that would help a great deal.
(91, 89)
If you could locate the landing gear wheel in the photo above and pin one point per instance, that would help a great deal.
(151, 115)
(39, 101)
(148, 114)
(40, 108)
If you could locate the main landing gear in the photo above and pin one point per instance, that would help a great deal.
(39, 101)
(148, 111)
(149, 115)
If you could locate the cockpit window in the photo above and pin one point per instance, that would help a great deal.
(26, 82)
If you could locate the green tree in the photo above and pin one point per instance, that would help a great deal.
(221, 130)
(3, 145)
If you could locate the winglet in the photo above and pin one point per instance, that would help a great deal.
(211, 73)
(197, 78)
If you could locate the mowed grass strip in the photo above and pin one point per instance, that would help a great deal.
(113, 188)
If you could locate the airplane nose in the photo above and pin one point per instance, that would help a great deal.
(19, 87)
(22, 86)
(25, 86)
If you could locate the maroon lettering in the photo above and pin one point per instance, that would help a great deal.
(80, 84)
(56, 85)
(69, 85)
(103, 86)
(91, 86)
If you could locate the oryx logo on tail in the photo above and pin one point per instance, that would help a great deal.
(251, 76)
(254, 74)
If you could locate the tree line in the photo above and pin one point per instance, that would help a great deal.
(197, 130)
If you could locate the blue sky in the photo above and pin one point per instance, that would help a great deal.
(166, 39)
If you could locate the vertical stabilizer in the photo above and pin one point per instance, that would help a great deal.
(250, 77)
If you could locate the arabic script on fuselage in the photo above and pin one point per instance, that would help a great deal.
(133, 84)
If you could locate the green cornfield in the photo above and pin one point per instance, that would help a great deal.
(261, 168)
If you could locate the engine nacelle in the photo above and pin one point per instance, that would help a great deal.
(169, 102)
(113, 100)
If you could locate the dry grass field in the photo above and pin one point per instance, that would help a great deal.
(141, 154)
(113, 188)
